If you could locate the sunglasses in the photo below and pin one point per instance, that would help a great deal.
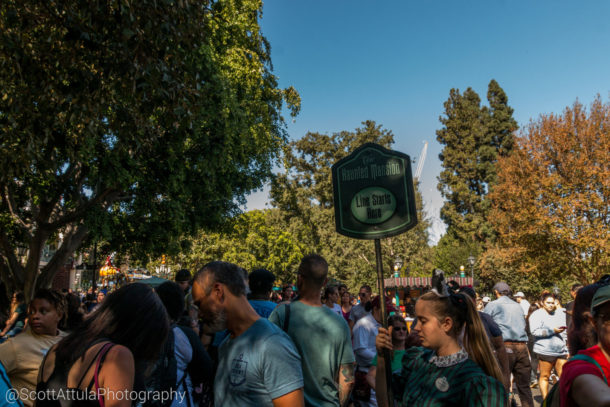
(362, 294)
(400, 328)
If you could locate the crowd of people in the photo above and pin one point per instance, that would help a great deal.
(224, 337)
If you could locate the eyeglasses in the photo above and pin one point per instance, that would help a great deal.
(400, 328)
(362, 294)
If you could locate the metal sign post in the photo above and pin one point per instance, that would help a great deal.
(386, 353)
(374, 198)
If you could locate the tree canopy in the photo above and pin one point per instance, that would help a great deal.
(303, 194)
(132, 122)
(473, 137)
(301, 220)
(551, 205)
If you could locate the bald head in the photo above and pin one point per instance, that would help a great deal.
(314, 269)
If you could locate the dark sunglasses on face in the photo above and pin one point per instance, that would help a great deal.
(362, 294)
(400, 328)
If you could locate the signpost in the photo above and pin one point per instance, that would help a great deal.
(374, 198)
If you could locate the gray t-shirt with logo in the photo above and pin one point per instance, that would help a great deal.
(257, 367)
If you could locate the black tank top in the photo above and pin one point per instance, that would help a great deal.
(58, 394)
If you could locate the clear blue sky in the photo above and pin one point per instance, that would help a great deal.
(395, 61)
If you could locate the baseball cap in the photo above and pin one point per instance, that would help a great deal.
(520, 294)
(502, 288)
(602, 296)
(389, 307)
(486, 299)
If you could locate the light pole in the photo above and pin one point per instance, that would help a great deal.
(397, 267)
(471, 261)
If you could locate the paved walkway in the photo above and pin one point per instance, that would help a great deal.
(537, 397)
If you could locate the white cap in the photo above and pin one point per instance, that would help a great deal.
(520, 294)
(486, 299)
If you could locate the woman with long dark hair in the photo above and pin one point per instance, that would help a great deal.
(104, 354)
(346, 305)
(444, 371)
(548, 325)
(581, 332)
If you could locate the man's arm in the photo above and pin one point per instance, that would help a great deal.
(292, 399)
(346, 382)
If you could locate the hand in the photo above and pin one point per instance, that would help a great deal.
(560, 329)
(383, 340)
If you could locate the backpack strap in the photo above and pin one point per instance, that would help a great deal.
(286, 318)
(589, 359)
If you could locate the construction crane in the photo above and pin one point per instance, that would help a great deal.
(422, 158)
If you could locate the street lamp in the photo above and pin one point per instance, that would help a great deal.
(397, 267)
(471, 261)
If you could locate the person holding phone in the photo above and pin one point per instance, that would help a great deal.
(548, 327)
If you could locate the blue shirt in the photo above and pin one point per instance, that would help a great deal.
(257, 367)
(263, 308)
(509, 317)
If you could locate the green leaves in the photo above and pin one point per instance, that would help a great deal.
(473, 137)
(139, 121)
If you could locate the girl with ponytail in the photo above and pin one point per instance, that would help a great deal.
(454, 367)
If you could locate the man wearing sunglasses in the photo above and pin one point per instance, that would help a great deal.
(359, 310)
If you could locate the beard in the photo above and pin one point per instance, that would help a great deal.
(216, 321)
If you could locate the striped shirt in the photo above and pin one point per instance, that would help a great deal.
(423, 384)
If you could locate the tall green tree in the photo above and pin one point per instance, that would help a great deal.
(132, 122)
(473, 137)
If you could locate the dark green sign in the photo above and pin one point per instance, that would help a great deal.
(373, 193)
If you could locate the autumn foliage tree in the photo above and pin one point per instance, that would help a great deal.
(551, 205)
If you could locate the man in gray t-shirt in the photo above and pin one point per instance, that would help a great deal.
(258, 363)
(256, 367)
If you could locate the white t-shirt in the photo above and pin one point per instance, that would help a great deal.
(525, 305)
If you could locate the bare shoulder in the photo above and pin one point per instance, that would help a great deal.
(119, 363)
(121, 354)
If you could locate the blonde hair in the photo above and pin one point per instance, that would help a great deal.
(461, 309)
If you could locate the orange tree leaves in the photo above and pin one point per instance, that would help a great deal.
(551, 203)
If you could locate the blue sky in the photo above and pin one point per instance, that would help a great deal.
(394, 62)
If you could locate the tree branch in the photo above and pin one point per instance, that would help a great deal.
(10, 202)
(16, 269)
(70, 243)
(108, 196)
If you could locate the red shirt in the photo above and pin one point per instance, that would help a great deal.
(575, 368)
